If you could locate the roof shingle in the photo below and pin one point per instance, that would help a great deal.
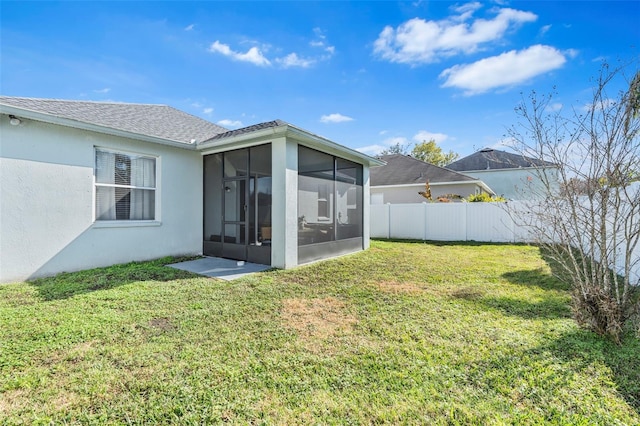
(249, 129)
(159, 121)
(492, 159)
(404, 169)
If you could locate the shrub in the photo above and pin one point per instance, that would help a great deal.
(485, 198)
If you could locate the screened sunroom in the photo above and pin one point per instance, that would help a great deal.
(278, 195)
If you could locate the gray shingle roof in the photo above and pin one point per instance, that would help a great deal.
(159, 121)
(404, 169)
(249, 129)
(492, 159)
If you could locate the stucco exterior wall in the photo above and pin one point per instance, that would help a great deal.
(514, 184)
(409, 194)
(47, 203)
(284, 203)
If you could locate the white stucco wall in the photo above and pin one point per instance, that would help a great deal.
(47, 207)
(284, 203)
(409, 194)
(515, 184)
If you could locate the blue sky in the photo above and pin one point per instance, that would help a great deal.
(363, 74)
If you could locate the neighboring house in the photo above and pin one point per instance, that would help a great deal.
(403, 177)
(512, 176)
(88, 184)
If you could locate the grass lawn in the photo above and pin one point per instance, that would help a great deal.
(408, 333)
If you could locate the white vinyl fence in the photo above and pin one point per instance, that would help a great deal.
(447, 222)
(487, 222)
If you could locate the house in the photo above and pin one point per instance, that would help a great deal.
(88, 184)
(403, 177)
(512, 176)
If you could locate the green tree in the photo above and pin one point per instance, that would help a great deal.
(398, 148)
(430, 152)
(633, 102)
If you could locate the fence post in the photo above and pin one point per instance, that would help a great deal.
(424, 219)
(389, 220)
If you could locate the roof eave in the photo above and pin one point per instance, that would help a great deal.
(76, 124)
(464, 182)
(211, 146)
(293, 132)
(548, 166)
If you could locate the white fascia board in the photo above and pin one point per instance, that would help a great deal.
(485, 187)
(421, 185)
(66, 122)
(469, 182)
(314, 141)
(242, 140)
(287, 130)
(511, 169)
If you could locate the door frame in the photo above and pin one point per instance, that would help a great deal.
(234, 250)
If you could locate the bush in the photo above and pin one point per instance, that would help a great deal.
(485, 198)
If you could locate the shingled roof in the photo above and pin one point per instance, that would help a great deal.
(157, 121)
(492, 159)
(404, 169)
(249, 129)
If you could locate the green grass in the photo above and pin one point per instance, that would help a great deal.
(404, 333)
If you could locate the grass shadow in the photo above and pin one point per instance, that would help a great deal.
(581, 348)
(553, 307)
(69, 284)
(552, 368)
(447, 243)
(536, 278)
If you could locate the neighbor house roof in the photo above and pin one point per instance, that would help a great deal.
(154, 121)
(404, 169)
(492, 159)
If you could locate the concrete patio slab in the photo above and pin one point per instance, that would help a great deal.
(217, 267)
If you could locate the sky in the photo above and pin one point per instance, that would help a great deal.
(366, 75)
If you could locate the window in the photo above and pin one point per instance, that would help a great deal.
(329, 198)
(125, 186)
(323, 202)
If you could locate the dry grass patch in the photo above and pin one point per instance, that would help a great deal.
(467, 293)
(162, 324)
(317, 318)
(13, 400)
(399, 287)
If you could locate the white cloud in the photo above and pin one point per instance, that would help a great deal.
(335, 118)
(293, 60)
(105, 90)
(230, 123)
(602, 105)
(424, 135)
(465, 11)
(505, 70)
(190, 27)
(554, 107)
(385, 144)
(207, 111)
(419, 41)
(544, 30)
(257, 55)
(371, 149)
(320, 42)
(395, 141)
(253, 55)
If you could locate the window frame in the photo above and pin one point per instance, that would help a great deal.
(108, 223)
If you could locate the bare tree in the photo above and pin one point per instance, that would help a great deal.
(587, 217)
